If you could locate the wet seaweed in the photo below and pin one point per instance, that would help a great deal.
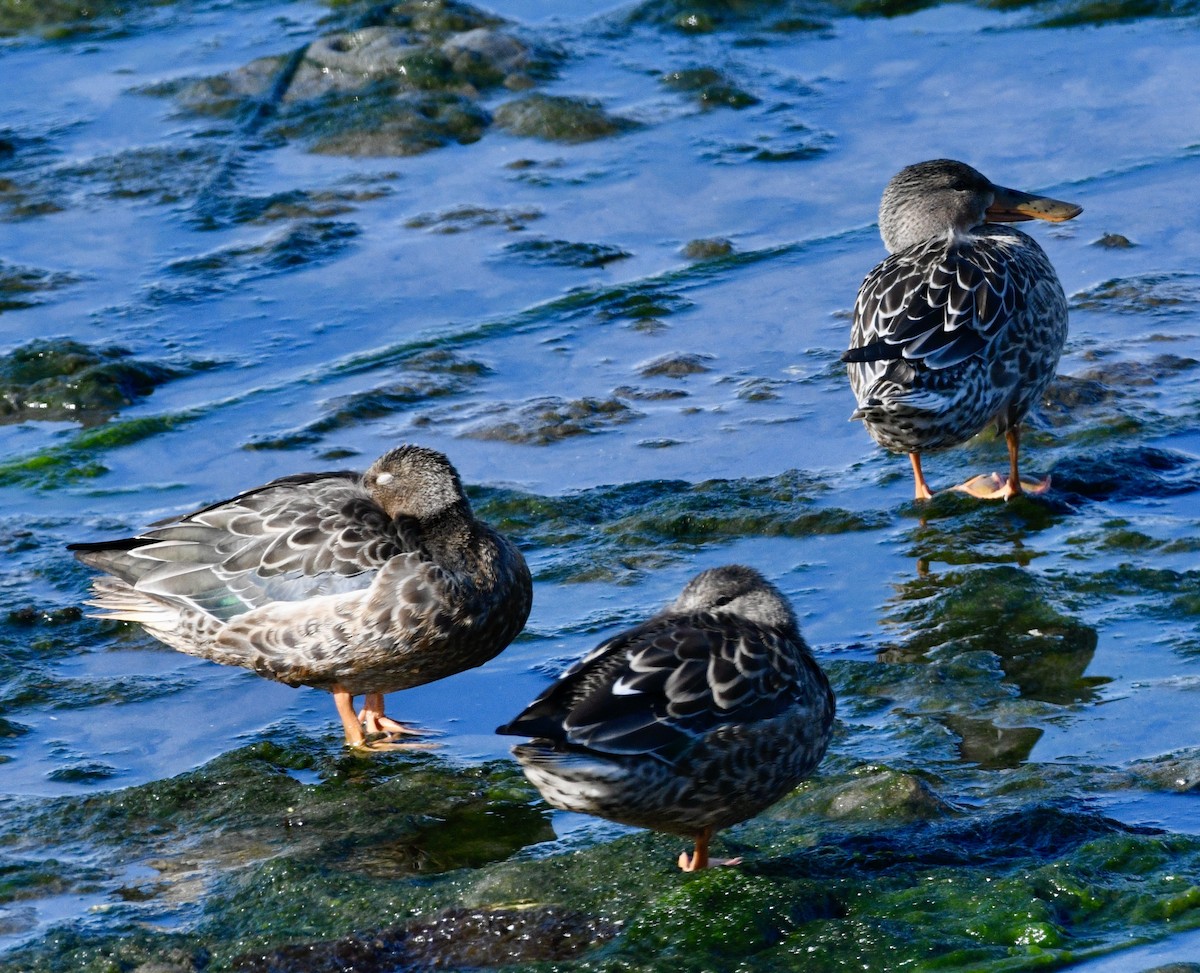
(564, 253)
(56, 379)
(558, 118)
(22, 287)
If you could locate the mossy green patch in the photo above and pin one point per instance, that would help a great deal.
(58, 379)
(558, 118)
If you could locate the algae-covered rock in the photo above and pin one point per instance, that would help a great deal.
(708, 248)
(404, 80)
(376, 122)
(1007, 612)
(452, 939)
(549, 419)
(61, 379)
(557, 118)
(676, 366)
(21, 287)
(275, 874)
(869, 794)
(564, 253)
(709, 87)
(1114, 241)
(460, 219)
(62, 18)
(1176, 772)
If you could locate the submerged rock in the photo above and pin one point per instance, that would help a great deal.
(556, 118)
(549, 419)
(58, 379)
(1176, 292)
(1005, 611)
(676, 366)
(564, 253)
(709, 87)
(21, 287)
(709, 248)
(462, 218)
(1127, 472)
(378, 123)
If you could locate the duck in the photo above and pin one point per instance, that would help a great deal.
(697, 719)
(962, 325)
(357, 583)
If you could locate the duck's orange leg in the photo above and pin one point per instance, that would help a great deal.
(922, 488)
(699, 858)
(350, 722)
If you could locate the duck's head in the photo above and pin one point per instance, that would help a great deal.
(932, 199)
(736, 590)
(414, 481)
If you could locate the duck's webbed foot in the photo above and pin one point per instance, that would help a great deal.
(995, 487)
(376, 724)
(363, 729)
(699, 859)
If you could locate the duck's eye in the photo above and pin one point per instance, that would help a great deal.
(383, 479)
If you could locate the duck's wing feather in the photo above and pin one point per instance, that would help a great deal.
(940, 303)
(656, 688)
(291, 539)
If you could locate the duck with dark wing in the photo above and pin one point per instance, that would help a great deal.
(962, 325)
(697, 719)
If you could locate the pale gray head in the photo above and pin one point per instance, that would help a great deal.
(736, 590)
(940, 197)
(413, 481)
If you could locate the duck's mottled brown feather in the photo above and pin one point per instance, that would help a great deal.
(699, 717)
(373, 582)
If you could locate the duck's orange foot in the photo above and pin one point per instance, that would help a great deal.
(690, 863)
(996, 487)
(374, 722)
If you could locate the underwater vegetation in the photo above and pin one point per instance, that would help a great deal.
(604, 258)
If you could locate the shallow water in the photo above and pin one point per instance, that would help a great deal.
(628, 414)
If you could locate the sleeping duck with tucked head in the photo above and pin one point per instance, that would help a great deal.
(355, 583)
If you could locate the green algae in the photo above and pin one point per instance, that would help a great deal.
(709, 87)
(564, 253)
(22, 287)
(56, 379)
(75, 461)
(618, 532)
(558, 118)
(63, 18)
(980, 890)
